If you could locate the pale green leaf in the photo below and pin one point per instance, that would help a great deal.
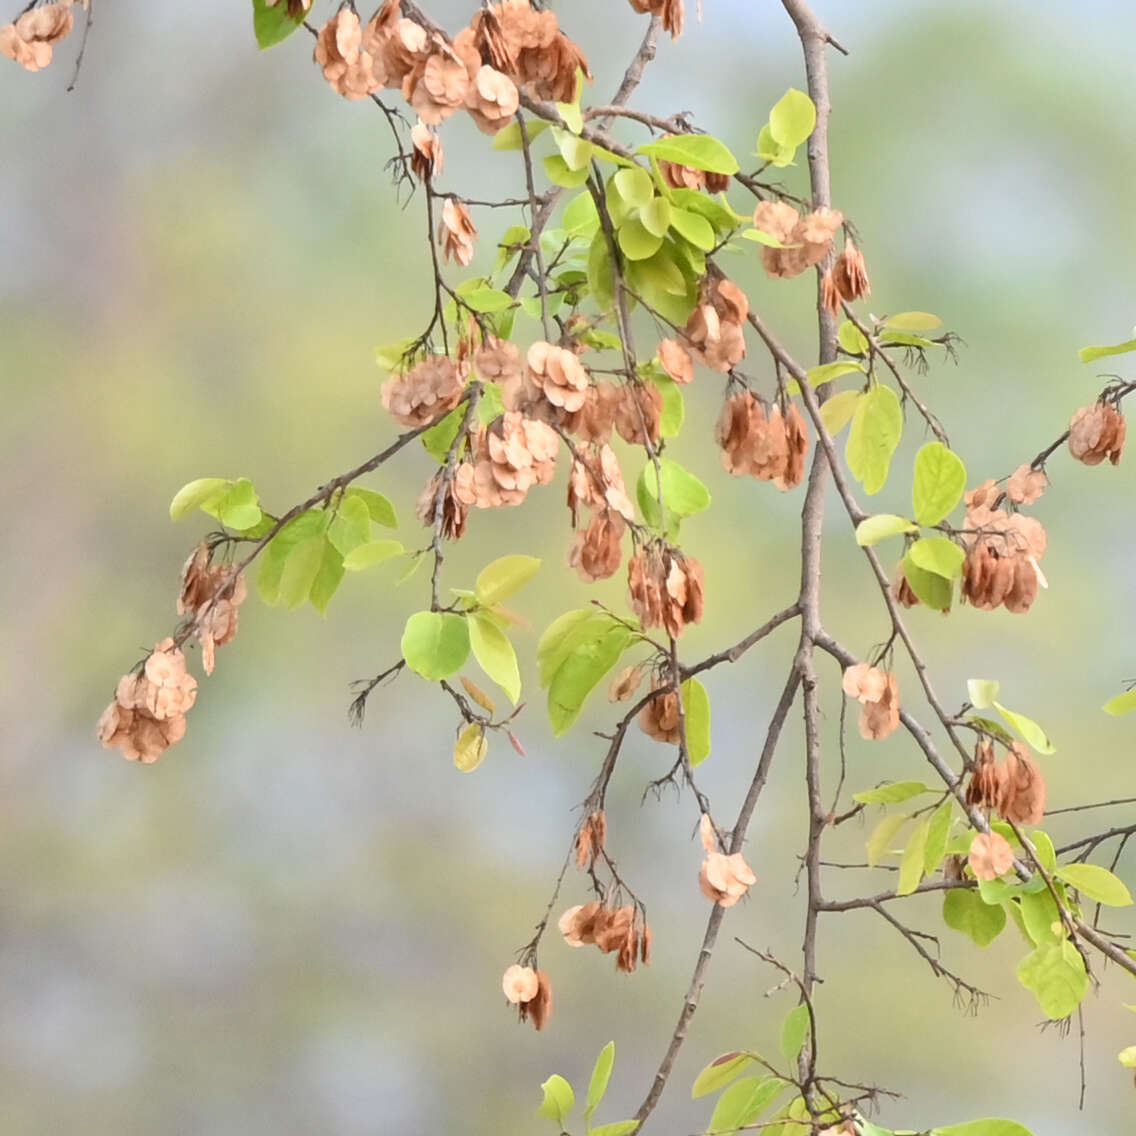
(273, 24)
(196, 495)
(372, 553)
(300, 571)
(658, 214)
(852, 339)
(699, 151)
(982, 692)
(601, 1075)
(1030, 731)
(577, 676)
(616, 1128)
(1043, 846)
(938, 554)
(913, 321)
(837, 412)
(683, 494)
(351, 525)
(328, 578)
(636, 242)
(509, 138)
(911, 865)
(1089, 354)
(938, 485)
(559, 1099)
(871, 530)
(1127, 1057)
(792, 118)
(561, 635)
(635, 186)
(471, 748)
(558, 171)
(984, 1128)
(495, 653)
(580, 215)
(435, 644)
(742, 1103)
(1122, 703)
(964, 910)
(937, 837)
(486, 299)
(770, 150)
(879, 843)
(694, 228)
(503, 577)
(827, 372)
(696, 713)
(877, 426)
(1097, 883)
(794, 1032)
(932, 589)
(720, 1072)
(1055, 974)
(893, 793)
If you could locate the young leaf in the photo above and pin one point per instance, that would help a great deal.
(273, 24)
(874, 529)
(559, 172)
(636, 241)
(940, 479)
(683, 494)
(498, 659)
(699, 151)
(693, 227)
(634, 185)
(238, 507)
(560, 638)
(720, 1072)
(196, 495)
(1039, 915)
(435, 644)
(982, 692)
(374, 552)
(793, 118)
(1127, 1057)
(937, 836)
(300, 571)
(1033, 734)
(827, 372)
(892, 794)
(503, 577)
(852, 339)
(1121, 704)
(882, 836)
(581, 671)
(963, 910)
(559, 1099)
(838, 411)
(742, 1103)
(932, 589)
(696, 712)
(1055, 975)
(911, 866)
(913, 321)
(794, 1032)
(486, 299)
(580, 215)
(351, 525)
(877, 426)
(471, 748)
(1089, 354)
(509, 138)
(657, 215)
(1097, 883)
(1043, 846)
(601, 1075)
(328, 578)
(938, 554)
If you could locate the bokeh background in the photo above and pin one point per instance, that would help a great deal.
(289, 926)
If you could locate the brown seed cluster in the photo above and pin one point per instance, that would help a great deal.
(714, 329)
(427, 392)
(846, 280)
(1015, 789)
(660, 719)
(31, 40)
(722, 878)
(596, 483)
(671, 11)
(625, 684)
(590, 839)
(212, 594)
(807, 239)
(147, 715)
(878, 694)
(427, 159)
(454, 513)
(559, 375)
(508, 458)
(1026, 485)
(1003, 551)
(529, 990)
(622, 931)
(990, 856)
(666, 587)
(1097, 432)
(769, 447)
(676, 361)
(456, 232)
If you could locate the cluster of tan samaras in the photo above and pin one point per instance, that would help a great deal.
(878, 694)
(509, 45)
(31, 40)
(1097, 432)
(666, 587)
(530, 992)
(1015, 789)
(147, 715)
(723, 878)
(770, 447)
(671, 12)
(622, 931)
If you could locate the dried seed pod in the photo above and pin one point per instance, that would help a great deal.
(426, 393)
(1097, 432)
(598, 549)
(990, 856)
(659, 719)
(456, 232)
(339, 51)
(666, 588)
(808, 238)
(427, 160)
(1026, 485)
(878, 694)
(672, 12)
(725, 879)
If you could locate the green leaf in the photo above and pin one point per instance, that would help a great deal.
(579, 673)
(696, 713)
(391, 355)
(770, 150)
(852, 339)
(559, 1099)
(793, 118)
(932, 589)
(871, 530)
(635, 186)
(328, 578)
(351, 525)
(1097, 883)
(504, 576)
(892, 794)
(1043, 846)
(381, 510)
(1030, 731)
(911, 866)
(601, 281)
(435, 644)
(913, 321)
(560, 637)
(683, 494)
(580, 215)
(636, 241)
(837, 412)
(882, 836)
(827, 372)
(558, 172)
(699, 151)
(570, 112)
(982, 692)
(1055, 974)
(877, 426)
(486, 299)
(601, 1075)
(937, 837)
(471, 748)
(494, 652)
(940, 479)
(984, 1128)
(576, 151)
(196, 495)
(794, 1032)
(1039, 914)
(694, 228)
(1088, 354)
(372, 553)
(440, 437)
(271, 570)
(905, 339)
(963, 910)
(1127, 1057)
(509, 138)
(674, 406)
(938, 554)
(720, 1072)
(1121, 704)
(657, 215)
(238, 507)
(273, 25)
(300, 571)
(742, 1103)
